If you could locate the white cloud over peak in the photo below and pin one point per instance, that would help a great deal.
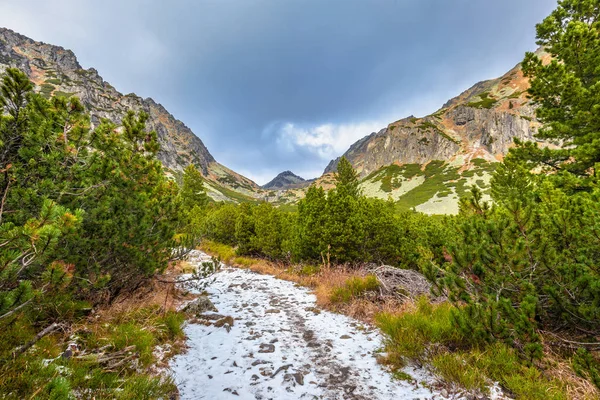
(326, 141)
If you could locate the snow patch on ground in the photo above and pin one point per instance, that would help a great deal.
(373, 188)
(440, 205)
(282, 347)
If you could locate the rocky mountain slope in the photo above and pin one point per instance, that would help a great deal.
(286, 180)
(56, 71)
(479, 123)
(428, 163)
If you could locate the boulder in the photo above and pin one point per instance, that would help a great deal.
(199, 306)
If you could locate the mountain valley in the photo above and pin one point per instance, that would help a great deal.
(423, 163)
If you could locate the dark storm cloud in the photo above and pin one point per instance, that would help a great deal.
(274, 85)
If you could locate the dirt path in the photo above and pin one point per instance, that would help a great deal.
(282, 347)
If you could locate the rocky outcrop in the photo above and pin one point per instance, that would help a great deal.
(494, 130)
(56, 71)
(412, 144)
(285, 180)
(483, 122)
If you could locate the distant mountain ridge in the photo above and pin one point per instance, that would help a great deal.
(286, 180)
(56, 71)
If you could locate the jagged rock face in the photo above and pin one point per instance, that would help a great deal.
(494, 130)
(285, 180)
(56, 71)
(481, 122)
(418, 144)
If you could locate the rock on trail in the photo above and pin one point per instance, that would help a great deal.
(280, 346)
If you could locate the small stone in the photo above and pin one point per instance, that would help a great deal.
(345, 337)
(230, 390)
(282, 368)
(226, 322)
(210, 317)
(299, 378)
(272, 311)
(266, 348)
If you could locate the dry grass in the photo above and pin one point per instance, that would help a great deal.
(576, 387)
(156, 293)
(365, 309)
(325, 282)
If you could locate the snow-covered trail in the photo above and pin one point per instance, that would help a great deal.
(282, 347)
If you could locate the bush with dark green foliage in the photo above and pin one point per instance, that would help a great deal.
(486, 101)
(311, 225)
(85, 215)
(220, 223)
(194, 200)
(527, 263)
(342, 226)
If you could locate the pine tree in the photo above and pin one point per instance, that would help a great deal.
(566, 89)
(14, 90)
(245, 231)
(345, 232)
(311, 225)
(192, 191)
(221, 223)
(26, 270)
(346, 179)
(269, 232)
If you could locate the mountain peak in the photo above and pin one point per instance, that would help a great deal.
(284, 180)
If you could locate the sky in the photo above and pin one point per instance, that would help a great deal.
(274, 85)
